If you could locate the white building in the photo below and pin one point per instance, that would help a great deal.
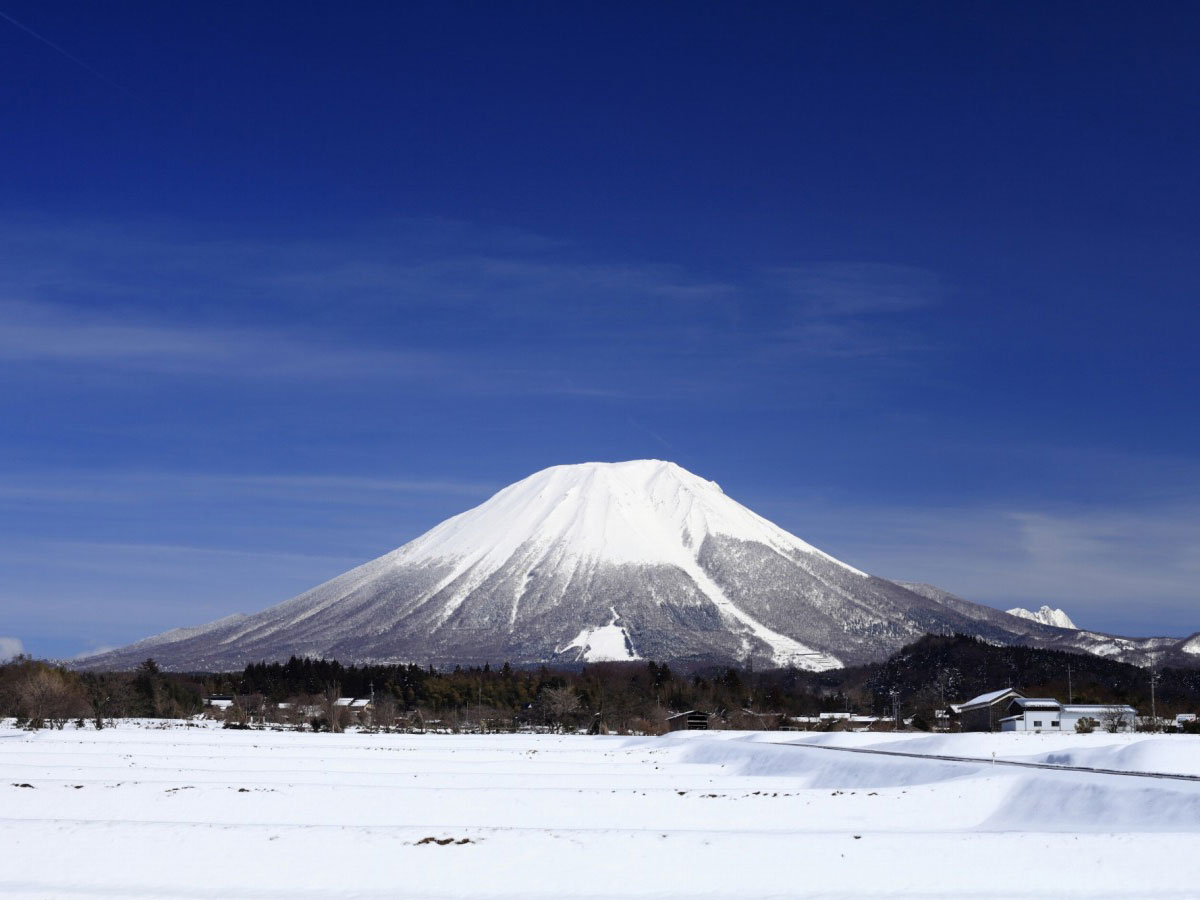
(1125, 717)
(1033, 714)
(1045, 714)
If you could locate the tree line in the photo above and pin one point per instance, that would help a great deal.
(920, 679)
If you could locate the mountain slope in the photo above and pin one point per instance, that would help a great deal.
(587, 562)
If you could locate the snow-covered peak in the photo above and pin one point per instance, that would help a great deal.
(1046, 616)
(641, 511)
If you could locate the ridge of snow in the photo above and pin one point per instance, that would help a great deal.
(1192, 646)
(1045, 616)
(786, 651)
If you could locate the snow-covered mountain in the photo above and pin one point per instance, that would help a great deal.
(598, 561)
(1045, 615)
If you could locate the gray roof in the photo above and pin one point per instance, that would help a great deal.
(1037, 703)
(988, 699)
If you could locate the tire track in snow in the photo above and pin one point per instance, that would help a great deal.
(983, 761)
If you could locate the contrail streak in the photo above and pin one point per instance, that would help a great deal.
(53, 46)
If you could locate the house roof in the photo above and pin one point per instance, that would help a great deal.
(1037, 703)
(1099, 708)
(988, 699)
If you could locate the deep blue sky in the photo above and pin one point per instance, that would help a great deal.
(283, 286)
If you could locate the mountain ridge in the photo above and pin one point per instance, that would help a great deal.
(593, 561)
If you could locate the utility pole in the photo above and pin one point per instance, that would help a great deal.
(1153, 680)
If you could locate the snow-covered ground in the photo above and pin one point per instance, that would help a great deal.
(197, 812)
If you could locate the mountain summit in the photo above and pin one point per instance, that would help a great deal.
(1046, 615)
(591, 562)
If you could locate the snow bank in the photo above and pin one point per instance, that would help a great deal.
(202, 813)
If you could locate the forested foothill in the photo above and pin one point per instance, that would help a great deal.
(923, 678)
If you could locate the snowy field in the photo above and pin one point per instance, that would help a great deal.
(200, 812)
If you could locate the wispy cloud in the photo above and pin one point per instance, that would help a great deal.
(43, 333)
(111, 593)
(848, 289)
(449, 309)
(854, 310)
(140, 561)
(1127, 569)
(100, 487)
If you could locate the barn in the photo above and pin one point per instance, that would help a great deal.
(983, 713)
(688, 721)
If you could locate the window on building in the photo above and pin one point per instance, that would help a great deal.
(1055, 724)
(1037, 723)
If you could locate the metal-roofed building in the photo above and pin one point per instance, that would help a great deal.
(1107, 716)
(1033, 714)
(691, 720)
(983, 713)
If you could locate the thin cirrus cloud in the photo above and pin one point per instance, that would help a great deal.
(854, 310)
(441, 286)
(44, 333)
(91, 593)
(847, 289)
(106, 488)
(1112, 568)
(410, 263)
(174, 562)
(61, 337)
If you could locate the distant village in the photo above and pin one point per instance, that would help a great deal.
(1005, 710)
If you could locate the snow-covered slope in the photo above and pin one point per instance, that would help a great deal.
(1047, 616)
(640, 512)
(590, 562)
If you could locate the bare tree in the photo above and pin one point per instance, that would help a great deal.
(237, 716)
(1114, 719)
(329, 705)
(42, 695)
(558, 704)
(384, 714)
(100, 699)
(299, 710)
